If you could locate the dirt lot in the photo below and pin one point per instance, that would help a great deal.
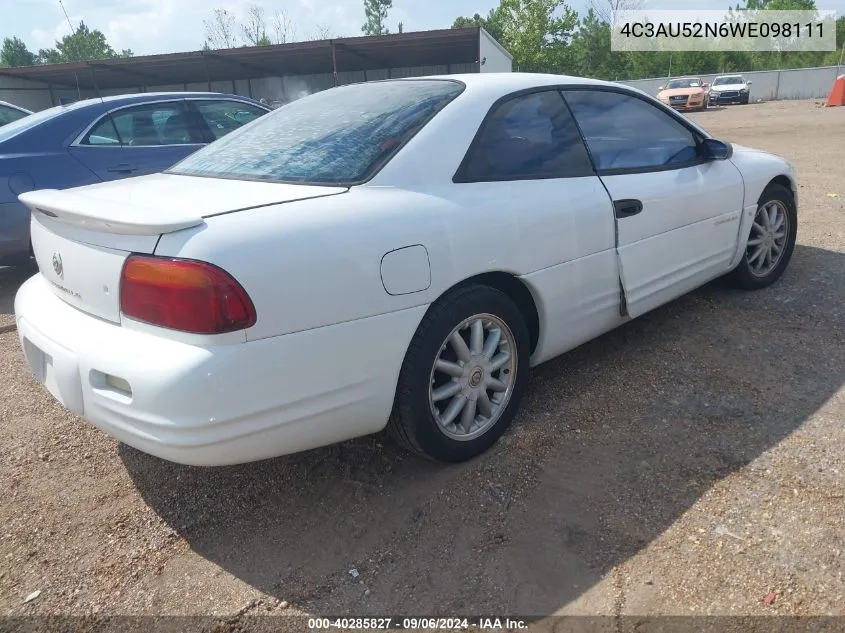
(692, 462)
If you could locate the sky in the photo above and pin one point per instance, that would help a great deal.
(166, 26)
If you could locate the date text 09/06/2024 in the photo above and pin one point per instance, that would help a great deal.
(418, 623)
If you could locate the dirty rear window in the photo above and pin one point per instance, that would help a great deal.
(339, 136)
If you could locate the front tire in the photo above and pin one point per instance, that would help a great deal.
(770, 242)
(463, 377)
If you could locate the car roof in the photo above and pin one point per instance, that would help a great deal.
(154, 96)
(501, 84)
(518, 81)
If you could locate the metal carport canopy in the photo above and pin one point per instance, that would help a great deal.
(424, 48)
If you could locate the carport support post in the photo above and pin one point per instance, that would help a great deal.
(94, 81)
(52, 94)
(777, 88)
(207, 74)
(249, 87)
(334, 63)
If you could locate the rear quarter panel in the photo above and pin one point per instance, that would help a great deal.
(317, 262)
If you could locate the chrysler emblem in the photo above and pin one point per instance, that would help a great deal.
(57, 265)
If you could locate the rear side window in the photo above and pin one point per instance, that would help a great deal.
(223, 117)
(165, 123)
(624, 132)
(337, 136)
(528, 137)
(104, 133)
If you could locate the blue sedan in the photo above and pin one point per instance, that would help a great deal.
(104, 139)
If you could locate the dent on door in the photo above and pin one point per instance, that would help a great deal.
(685, 234)
(406, 270)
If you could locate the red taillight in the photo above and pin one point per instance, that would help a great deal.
(183, 294)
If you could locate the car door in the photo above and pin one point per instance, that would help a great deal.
(101, 151)
(140, 139)
(529, 163)
(677, 212)
(217, 117)
(157, 135)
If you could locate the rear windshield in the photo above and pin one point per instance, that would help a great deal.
(338, 136)
(30, 121)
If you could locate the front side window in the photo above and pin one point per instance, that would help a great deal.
(337, 136)
(625, 132)
(727, 81)
(527, 137)
(223, 117)
(165, 123)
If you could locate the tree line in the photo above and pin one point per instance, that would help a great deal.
(542, 35)
(82, 44)
(549, 36)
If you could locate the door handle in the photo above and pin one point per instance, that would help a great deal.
(627, 208)
(123, 168)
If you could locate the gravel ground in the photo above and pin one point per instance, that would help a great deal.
(691, 462)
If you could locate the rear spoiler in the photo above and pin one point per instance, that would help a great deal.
(75, 208)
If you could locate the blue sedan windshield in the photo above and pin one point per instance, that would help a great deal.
(338, 136)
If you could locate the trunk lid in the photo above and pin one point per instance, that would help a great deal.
(81, 237)
(161, 203)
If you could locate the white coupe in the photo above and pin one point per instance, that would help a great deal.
(390, 254)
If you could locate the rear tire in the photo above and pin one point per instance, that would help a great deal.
(454, 400)
(767, 252)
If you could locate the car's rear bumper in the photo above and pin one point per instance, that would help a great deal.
(14, 233)
(216, 405)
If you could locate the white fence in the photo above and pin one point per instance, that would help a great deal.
(769, 85)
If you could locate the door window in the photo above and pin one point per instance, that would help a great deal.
(626, 133)
(528, 137)
(165, 123)
(223, 117)
(104, 133)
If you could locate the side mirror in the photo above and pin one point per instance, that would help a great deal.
(661, 87)
(716, 150)
(705, 85)
(748, 83)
